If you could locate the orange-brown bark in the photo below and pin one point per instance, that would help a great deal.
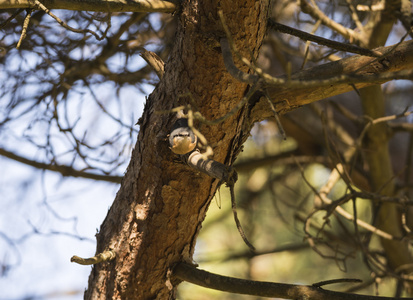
(158, 211)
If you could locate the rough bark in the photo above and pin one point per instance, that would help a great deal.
(158, 211)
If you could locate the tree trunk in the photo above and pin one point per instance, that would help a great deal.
(158, 211)
(377, 153)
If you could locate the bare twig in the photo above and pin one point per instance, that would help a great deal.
(9, 19)
(317, 14)
(209, 152)
(334, 281)
(195, 115)
(336, 174)
(237, 222)
(154, 61)
(321, 197)
(222, 172)
(348, 79)
(392, 117)
(307, 45)
(101, 257)
(401, 126)
(276, 117)
(64, 170)
(355, 17)
(25, 26)
(374, 7)
(62, 23)
(320, 40)
(346, 112)
(334, 177)
(380, 120)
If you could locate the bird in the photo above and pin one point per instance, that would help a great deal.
(182, 139)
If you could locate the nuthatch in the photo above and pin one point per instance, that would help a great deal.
(182, 139)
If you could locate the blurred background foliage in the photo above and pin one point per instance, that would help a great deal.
(273, 201)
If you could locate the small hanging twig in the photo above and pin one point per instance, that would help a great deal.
(320, 40)
(237, 222)
(25, 26)
(225, 174)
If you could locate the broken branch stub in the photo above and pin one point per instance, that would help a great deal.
(211, 167)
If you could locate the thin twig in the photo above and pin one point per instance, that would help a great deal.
(374, 7)
(307, 44)
(209, 152)
(237, 222)
(62, 169)
(9, 19)
(225, 174)
(62, 23)
(339, 79)
(276, 117)
(335, 175)
(322, 41)
(355, 16)
(25, 26)
(379, 120)
(317, 14)
(199, 117)
(334, 281)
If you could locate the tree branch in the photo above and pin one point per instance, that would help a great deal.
(317, 14)
(320, 40)
(64, 170)
(210, 167)
(203, 278)
(301, 88)
(97, 5)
